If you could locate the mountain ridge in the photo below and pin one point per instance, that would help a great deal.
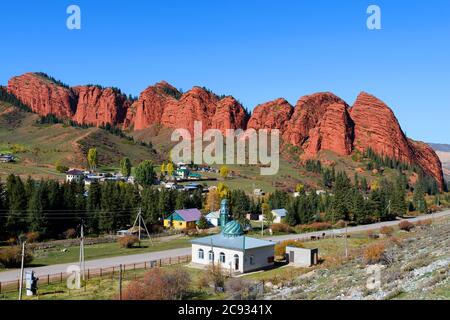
(320, 121)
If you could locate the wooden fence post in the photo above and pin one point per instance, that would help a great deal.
(101, 275)
(61, 277)
(0, 287)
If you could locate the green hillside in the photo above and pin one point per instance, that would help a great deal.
(38, 146)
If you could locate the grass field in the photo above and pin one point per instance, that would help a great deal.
(57, 256)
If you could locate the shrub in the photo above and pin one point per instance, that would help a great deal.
(424, 223)
(32, 236)
(11, 241)
(374, 253)
(339, 225)
(60, 167)
(280, 248)
(315, 226)
(128, 241)
(238, 288)
(11, 257)
(406, 225)
(70, 234)
(388, 231)
(159, 284)
(281, 228)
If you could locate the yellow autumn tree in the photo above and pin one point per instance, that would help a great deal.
(212, 201)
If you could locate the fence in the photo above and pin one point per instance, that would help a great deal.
(100, 273)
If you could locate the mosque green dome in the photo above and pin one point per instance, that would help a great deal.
(233, 229)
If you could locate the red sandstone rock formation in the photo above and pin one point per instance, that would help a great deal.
(376, 127)
(271, 115)
(43, 95)
(333, 132)
(97, 106)
(308, 112)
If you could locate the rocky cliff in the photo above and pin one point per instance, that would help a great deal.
(320, 121)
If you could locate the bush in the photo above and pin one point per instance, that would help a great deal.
(315, 226)
(11, 241)
(159, 284)
(11, 257)
(70, 234)
(388, 231)
(374, 253)
(406, 225)
(280, 248)
(424, 223)
(128, 241)
(281, 228)
(339, 225)
(238, 288)
(32, 236)
(60, 167)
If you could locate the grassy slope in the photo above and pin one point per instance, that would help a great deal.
(105, 250)
(58, 142)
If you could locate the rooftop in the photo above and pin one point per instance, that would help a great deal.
(189, 214)
(236, 243)
(280, 212)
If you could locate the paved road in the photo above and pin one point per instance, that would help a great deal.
(13, 275)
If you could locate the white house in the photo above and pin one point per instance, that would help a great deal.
(213, 218)
(278, 215)
(231, 249)
(74, 175)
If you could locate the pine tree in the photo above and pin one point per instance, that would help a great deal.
(398, 199)
(359, 210)
(37, 220)
(17, 206)
(419, 198)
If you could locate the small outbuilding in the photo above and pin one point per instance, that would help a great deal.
(302, 257)
(213, 218)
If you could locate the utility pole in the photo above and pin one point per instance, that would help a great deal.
(82, 264)
(138, 221)
(21, 270)
(120, 282)
(346, 236)
(262, 221)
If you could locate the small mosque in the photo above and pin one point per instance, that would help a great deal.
(232, 249)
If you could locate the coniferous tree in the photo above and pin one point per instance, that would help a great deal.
(17, 206)
(37, 220)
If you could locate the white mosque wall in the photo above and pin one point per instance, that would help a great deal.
(255, 259)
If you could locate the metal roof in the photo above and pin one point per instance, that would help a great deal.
(280, 212)
(189, 214)
(235, 243)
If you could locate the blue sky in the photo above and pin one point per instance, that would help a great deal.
(256, 50)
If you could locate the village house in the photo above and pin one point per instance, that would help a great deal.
(277, 214)
(4, 158)
(74, 175)
(213, 218)
(183, 219)
(232, 249)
